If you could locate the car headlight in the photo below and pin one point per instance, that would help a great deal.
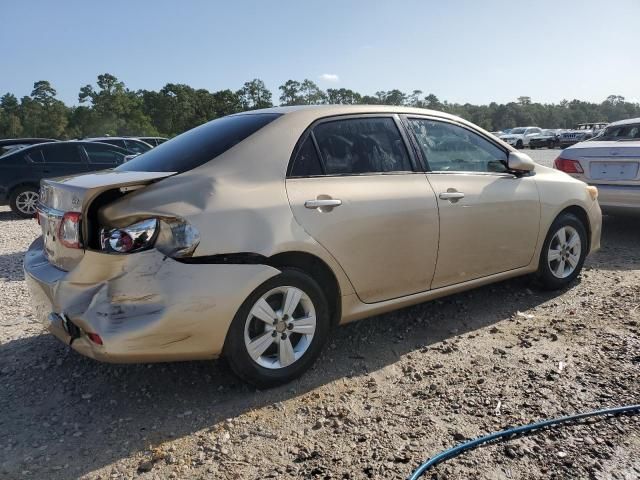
(173, 237)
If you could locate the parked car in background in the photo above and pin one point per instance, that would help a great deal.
(584, 131)
(7, 144)
(548, 138)
(132, 145)
(521, 136)
(611, 162)
(248, 236)
(21, 170)
(153, 141)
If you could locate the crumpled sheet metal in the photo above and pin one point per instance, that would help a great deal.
(147, 308)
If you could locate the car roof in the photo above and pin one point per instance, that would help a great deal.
(628, 121)
(25, 141)
(330, 110)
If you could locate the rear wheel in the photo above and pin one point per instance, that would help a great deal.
(24, 200)
(279, 330)
(563, 252)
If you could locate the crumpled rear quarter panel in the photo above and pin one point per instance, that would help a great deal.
(145, 306)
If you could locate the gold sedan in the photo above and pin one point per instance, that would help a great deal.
(251, 236)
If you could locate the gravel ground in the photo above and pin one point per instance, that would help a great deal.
(387, 393)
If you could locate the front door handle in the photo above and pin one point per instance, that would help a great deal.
(454, 196)
(323, 203)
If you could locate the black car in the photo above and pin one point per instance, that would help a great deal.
(548, 138)
(7, 144)
(133, 146)
(21, 170)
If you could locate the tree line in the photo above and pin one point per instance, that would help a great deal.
(110, 108)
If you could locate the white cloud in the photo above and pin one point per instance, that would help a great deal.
(330, 77)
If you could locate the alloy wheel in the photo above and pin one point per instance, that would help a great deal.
(564, 252)
(26, 202)
(280, 327)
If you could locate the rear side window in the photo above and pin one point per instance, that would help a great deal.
(103, 155)
(199, 145)
(65, 153)
(362, 145)
(306, 163)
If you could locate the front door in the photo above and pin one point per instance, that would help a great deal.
(489, 218)
(354, 189)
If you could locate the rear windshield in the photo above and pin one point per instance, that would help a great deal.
(199, 145)
(620, 132)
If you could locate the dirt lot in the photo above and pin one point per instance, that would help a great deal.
(387, 393)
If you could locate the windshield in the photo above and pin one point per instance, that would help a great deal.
(199, 145)
(620, 132)
(517, 131)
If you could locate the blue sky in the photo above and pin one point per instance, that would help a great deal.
(463, 51)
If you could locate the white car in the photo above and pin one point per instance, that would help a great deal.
(611, 162)
(519, 137)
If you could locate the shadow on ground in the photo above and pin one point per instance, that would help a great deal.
(8, 215)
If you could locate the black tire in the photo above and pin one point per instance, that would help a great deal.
(235, 349)
(16, 205)
(532, 147)
(519, 144)
(546, 277)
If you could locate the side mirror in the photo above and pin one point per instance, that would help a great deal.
(520, 162)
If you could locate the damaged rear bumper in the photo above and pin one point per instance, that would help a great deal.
(144, 306)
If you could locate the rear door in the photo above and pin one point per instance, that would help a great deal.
(59, 159)
(489, 218)
(353, 186)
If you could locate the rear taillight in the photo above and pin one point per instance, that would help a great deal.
(95, 338)
(568, 166)
(69, 231)
(136, 237)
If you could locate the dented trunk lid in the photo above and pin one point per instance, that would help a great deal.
(75, 194)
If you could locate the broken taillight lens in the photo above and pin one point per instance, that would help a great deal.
(136, 237)
(69, 231)
(174, 237)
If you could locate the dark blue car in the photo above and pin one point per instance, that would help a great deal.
(22, 169)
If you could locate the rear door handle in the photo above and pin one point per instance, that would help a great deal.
(323, 202)
(451, 195)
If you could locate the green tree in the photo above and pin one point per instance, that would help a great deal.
(291, 93)
(10, 123)
(254, 95)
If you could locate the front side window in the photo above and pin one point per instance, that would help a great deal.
(451, 148)
(103, 155)
(61, 153)
(199, 145)
(362, 145)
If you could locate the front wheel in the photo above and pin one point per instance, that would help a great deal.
(563, 252)
(279, 330)
(519, 145)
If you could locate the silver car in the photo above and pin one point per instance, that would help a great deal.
(611, 162)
